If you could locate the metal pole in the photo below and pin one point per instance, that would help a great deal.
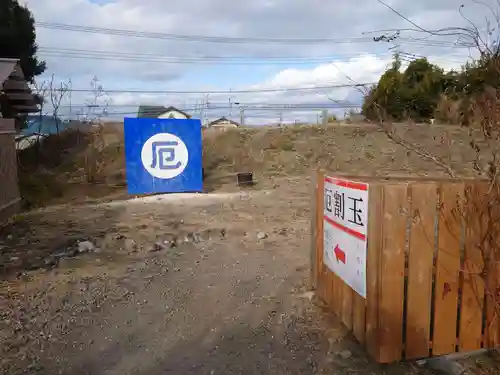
(202, 112)
(242, 116)
(70, 102)
(206, 112)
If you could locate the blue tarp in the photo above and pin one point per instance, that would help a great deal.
(49, 125)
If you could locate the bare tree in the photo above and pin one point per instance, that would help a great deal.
(484, 134)
(486, 40)
(40, 92)
(96, 106)
(56, 95)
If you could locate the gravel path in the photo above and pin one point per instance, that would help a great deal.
(197, 287)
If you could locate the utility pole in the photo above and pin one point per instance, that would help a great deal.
(205, 115)
(230, 105)
(70, 84)
(242, 116)
(199, 108)
(202, 112)
(325, 117)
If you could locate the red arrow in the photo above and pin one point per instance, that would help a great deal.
(339, 254)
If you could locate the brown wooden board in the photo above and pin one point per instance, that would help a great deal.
(313, 271)
(492, 329)
(359, 317)
(492, 334)
(392, 269)
(332, 285)
(471, 309)
(337, 294)
(319, 235)
(347, 305)
(330, 298)
(447, 285)
(378, 320)
(420, 270)
(374, 251)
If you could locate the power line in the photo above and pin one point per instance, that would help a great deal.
(222, 108)
(224, 105)
(197, 38)
(247, 91)
(315, 109)
(195, 57)
(83, 53)
(161, 60)
(229, 60)
(223, 39)
(250, 106)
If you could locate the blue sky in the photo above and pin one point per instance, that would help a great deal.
(343, 26)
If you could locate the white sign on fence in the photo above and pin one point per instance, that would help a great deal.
(345, 218)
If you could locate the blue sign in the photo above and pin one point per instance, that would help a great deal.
(163, 155)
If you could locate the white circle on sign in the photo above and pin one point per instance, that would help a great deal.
(164, 155)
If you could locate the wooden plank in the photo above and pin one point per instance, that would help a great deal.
(347, 305)
(392, 269)
(337, 295)
(313, 251)
(492, 329)
(373, 255)
(359, 317)
(451, 200)
(329, 298)
(471, 309)
(320, 234)
(370, 178)
(420, 270)
(332, 283)
(326, 286)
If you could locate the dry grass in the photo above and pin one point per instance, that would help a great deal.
(71, 166)
(93, 166)
(356, 149)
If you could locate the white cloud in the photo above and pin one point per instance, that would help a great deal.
(339, 20)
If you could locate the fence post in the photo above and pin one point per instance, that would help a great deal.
(373, 259)
(9, 188)
(313, 272)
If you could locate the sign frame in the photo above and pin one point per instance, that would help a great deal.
(345, 231)
(163, 155)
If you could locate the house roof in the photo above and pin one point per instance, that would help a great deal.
(152, 111)
(15, 88)
(6, 68)
(223, 118)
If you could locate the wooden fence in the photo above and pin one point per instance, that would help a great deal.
(432, 287)
(9, 189)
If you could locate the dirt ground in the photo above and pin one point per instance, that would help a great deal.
(212, 284)
(202, 285)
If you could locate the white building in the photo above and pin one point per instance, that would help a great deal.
(223, 123)
(161, 112)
